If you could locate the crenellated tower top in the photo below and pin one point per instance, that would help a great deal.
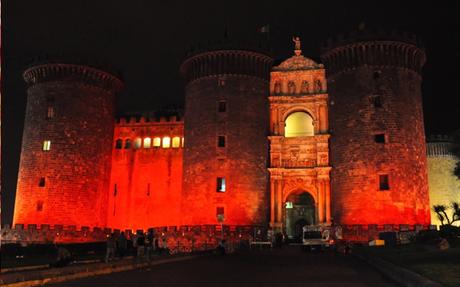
(72, 72)
(365, 47)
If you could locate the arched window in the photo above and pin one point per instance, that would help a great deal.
(291, 88)
(176, 142)
(277, 88)
(147, 142)
(119, 144)
(305, 87)
(166, 142)
(299, 124)
(127, 144)
(156, 142)
(318, 86)
(137, 143)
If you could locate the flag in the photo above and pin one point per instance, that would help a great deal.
(264, 29)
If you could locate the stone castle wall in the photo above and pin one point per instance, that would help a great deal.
(239, 80)
(66, 146)
(377, 133)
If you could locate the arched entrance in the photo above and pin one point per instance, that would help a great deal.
(299, 211)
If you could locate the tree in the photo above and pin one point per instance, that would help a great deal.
(441, 212)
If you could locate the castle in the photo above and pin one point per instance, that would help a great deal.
(299, 143)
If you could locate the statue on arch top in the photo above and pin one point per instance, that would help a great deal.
(297, 49)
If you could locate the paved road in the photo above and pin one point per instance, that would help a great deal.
(287, 267)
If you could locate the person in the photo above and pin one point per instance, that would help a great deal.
(122, 244)
(149, 244)
(221, 247)
(111, 245)
(64, 257)
(140, 245)
(279, 240)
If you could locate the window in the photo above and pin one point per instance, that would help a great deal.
(318, 86)
(384, 183)
(156, 142)
(291, 88)
(137, 143)
(277, 88)
(182, 142)
(127, 144)
(220, 211)
(176, 142)
(221, 141)
(221, 186)
(222, 108)
(50, 112)
(39, 205)
(41, 182)
(166, 142)
(305, 87)
(299, 124)
(147, 142)
(46, 145)
(119, 144)
(377, 75)
(376, 101)
(379, 138)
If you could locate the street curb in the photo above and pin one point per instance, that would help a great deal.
(397, 273)
(86, 272)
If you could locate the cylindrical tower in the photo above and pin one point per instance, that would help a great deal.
(226, 128)
(65, 160)
(379, 170)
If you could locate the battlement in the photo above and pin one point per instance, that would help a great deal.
(355, 49)
(226, 62)
(439, 146)
(72, 73)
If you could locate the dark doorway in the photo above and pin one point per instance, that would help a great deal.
(299, 211)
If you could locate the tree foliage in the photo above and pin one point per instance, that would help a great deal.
(442, 213)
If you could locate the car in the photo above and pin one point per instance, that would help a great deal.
(316, 240)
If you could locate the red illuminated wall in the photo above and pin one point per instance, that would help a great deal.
(66, 185)
(148, 179)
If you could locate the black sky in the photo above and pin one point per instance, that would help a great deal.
(146, 41)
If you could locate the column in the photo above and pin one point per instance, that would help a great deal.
(279, 202)
(320, 188)
(272, 202)
(328, 200)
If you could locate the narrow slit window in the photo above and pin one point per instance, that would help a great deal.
(182, 142)
(46, 145)
(220, 211)
(222, 108)
(221, 141)
(221, 184)
(376, 101)
(50, 112)
(41, 182)
(39, 205)
(379, 138)
(384, 183)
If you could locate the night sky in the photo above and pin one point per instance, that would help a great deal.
(146, 41)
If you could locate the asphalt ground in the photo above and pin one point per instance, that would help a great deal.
(289, 266)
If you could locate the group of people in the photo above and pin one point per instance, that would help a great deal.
(145, 245)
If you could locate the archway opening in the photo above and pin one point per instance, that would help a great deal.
(299, 211)
(299, 124)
